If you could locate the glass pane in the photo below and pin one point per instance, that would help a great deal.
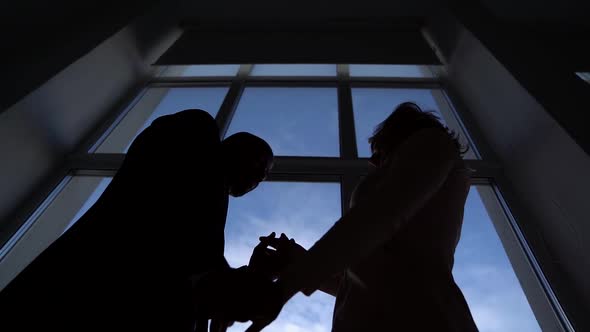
(54, 217)
(276, 207)
(372, 106)
(200, 71)
(390, 71)
(584, 76)
(155, 103)
(484, 274)
(294, 121)
(294, 70)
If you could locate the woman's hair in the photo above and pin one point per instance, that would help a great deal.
(406, 119)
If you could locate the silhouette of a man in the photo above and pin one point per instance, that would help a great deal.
(127, 263)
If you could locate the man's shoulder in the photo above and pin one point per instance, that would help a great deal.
(190, 121)
(196, 115)
(190, 117)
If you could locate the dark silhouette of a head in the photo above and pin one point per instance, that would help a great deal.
(247, 161)
(406, 119)
(169, 144)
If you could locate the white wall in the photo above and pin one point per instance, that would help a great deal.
(37, 132)
(547, 170)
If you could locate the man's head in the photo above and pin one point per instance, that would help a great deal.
(247, 161)
(406, 119)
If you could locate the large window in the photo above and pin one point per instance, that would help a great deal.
(317, 118)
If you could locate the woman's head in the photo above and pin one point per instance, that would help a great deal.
(406, 119)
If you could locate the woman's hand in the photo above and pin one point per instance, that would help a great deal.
(273, 254)
(288, 250)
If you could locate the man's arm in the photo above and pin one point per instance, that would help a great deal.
(418, 170)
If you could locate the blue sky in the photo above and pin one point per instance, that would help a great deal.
(303, 122)
(294, 121)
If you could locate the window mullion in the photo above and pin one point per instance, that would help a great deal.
(348, 148)
(228, 107)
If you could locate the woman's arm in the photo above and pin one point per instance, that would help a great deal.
(331, 285)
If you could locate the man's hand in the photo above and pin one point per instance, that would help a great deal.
(219, 326)
(272, 303)
(231, 295)
(266, 261)
(287, 251)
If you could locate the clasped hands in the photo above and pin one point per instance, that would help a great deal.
(249, 293)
